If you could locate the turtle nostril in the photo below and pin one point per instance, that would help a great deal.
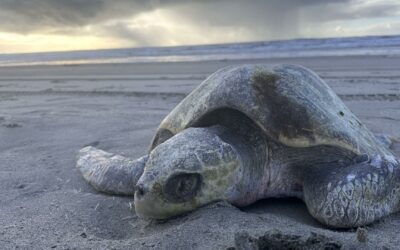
(140, 191)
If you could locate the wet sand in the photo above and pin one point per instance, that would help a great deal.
(47, 113)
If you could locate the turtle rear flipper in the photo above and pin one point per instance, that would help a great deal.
(110, 173)
(355, 195)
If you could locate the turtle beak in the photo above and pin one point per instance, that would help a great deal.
(145, 206)
(150, 204)
(146, 203)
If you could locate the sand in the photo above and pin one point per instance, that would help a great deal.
(47, 113)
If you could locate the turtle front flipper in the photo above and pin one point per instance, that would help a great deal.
(355, 195)
(110, 173)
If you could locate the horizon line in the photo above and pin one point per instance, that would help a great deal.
(198, 45)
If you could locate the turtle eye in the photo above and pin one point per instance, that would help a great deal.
(182, 187)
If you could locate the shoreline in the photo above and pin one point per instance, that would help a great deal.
(234, 61)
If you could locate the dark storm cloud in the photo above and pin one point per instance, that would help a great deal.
(34, 15)
(262, 18)
(284, 19)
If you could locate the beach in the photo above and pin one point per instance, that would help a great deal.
(47, 113)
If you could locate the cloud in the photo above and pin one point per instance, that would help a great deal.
(29, 16)
(174, 22)
(353, 10)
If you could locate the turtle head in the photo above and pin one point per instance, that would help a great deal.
(191, 169)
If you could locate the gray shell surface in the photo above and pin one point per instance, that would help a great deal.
(290, 104)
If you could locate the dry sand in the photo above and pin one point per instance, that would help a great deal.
(47, 113)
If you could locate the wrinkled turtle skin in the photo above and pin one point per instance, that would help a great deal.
(252, 132)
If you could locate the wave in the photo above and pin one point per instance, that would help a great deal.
(371, 45)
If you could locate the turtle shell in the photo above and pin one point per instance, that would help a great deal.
(290, 104)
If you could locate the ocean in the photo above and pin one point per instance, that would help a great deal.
(371, 45)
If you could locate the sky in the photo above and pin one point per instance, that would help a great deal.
(60, 25)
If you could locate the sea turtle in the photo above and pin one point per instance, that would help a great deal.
(252, 132)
